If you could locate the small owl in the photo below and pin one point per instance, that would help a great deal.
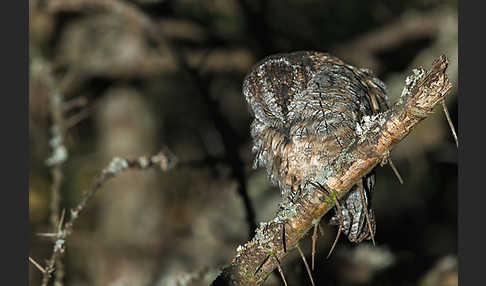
(306, 108)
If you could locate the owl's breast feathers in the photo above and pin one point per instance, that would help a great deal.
(306, 106)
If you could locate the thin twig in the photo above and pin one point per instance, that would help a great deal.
(50, 234)
(59, 151)
(340, 228)
(334, 198)
(280, 270)
(78, 117)
(56, 161)
(283, 238)
(395, 170)
(50, 264)
(365, 208)
(261, 264)
(79, 101)
(57, 176)
(451, 126)
(61, 220)
(37, 265)
(59, 264)
(314, 239)
(306, 265)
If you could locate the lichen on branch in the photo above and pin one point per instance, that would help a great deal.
(378, 135)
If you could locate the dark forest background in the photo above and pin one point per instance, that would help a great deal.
(137, 76)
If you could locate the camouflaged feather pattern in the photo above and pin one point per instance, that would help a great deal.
(306, 106)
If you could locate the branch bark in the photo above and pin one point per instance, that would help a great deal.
(379, 134)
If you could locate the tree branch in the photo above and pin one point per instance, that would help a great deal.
(164, 160)
(376, 138)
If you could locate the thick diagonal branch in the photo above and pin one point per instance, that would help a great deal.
(376, 138)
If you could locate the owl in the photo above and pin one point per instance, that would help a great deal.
(307, 108)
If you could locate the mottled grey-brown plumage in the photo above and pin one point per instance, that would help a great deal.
(307, 107)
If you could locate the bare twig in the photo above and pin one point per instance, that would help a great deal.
(367, 215)
(49, 234)
(383, 131)
(58, 155)
(340, 227)
(284, 242)
(395, 171)
(61, 220)
(37, 265)
(448, 117)
(306, 265)
(56, 160)
(79, 101)
(314, 239)
(280, 270)
(261, 264)
(58, 250)
(164, 160)
(78, 117)
(332, 196)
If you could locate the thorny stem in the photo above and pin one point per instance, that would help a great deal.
(164, 160)
(56, 161)
(422, 92)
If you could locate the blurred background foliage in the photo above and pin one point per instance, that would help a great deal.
(136, 75)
